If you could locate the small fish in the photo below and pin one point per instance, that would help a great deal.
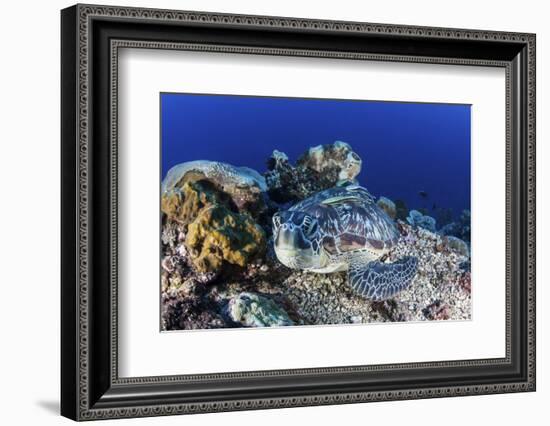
(423, 194)
(434, 207)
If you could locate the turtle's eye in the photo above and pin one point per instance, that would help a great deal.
(309, 225)
(276, 220)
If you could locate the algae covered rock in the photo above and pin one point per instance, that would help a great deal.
(218, 235)
(319, 168)
(336, 161)
(388, 206)
(253, 310)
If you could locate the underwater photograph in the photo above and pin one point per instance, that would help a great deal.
(279, 211)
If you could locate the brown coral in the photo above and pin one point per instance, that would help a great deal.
(184, 204)
(219, 235)
(216, 232)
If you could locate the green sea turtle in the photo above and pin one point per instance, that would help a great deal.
(339, 229)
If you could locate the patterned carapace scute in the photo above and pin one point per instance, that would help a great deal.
(350, 220)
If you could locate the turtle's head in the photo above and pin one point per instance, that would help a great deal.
(297, 239)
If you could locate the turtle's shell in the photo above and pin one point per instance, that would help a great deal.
(350, 220)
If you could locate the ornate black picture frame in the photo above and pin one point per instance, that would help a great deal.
(91, 36)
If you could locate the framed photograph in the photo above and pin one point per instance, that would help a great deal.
(263, 212)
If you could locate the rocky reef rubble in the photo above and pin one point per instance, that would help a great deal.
(457, 230)
(218, 267)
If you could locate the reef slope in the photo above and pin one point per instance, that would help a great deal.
(218, 268)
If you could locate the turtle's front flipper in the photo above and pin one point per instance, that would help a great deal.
(380, 281)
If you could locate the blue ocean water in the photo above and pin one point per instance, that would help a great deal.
(406, 148)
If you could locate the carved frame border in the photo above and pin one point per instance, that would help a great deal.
(85, 13)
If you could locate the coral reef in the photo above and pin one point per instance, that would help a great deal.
(327, 298)
(321, 167)
(310, 298)
(457, 245)
(443, 216)
(388, 206)
(253, 310)
(416, 218)
(212, 234)
(218, 267)
(460, 228)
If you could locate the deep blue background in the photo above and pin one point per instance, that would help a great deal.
(405, 147)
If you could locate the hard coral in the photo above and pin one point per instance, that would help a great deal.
(336, 160)
(321, 167)
(253, 310)
(457, 245)
(244, 186)
(183, 204)
(217, 232)
(418, 219)
(219, 235)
